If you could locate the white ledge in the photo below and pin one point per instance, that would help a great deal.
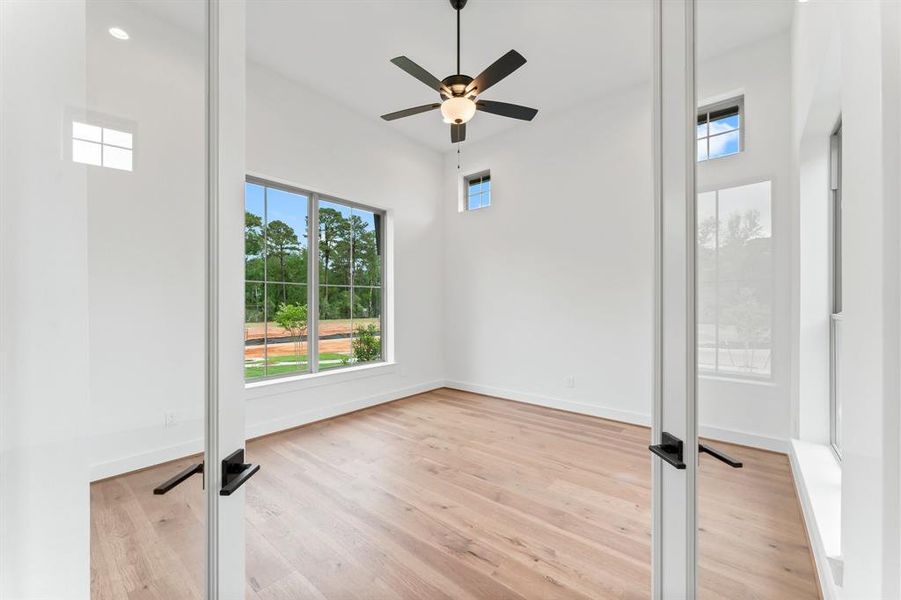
(286, 385)
(818, 478)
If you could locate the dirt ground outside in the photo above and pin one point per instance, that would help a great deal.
(257, 331)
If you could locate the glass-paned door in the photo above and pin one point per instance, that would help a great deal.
(105, 277)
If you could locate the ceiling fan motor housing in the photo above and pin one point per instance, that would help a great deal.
(457, 83)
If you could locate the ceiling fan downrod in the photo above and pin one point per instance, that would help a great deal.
(458, 6)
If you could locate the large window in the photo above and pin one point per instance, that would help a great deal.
(720, 129)
(735, 278)
(310, 311)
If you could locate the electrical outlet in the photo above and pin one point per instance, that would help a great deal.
(569, 381)
(170, 419)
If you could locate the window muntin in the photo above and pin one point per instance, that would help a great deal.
(477, 189)
(101, 146)
(281, 318)
(720, 130)
(735, 278)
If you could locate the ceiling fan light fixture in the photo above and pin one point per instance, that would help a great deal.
(458, 110)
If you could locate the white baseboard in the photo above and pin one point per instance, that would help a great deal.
(157, 456)
(635, 418)
(742, 438)
(549, 402)
(822, 560)
(325, 412)
(161, 455)
(111, 468)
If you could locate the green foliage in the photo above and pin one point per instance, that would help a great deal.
(292, 317)
(253, 235)
(366, 344)
(348, 252)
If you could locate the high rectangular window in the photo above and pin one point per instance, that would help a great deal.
(720, 129)
(734, 281)
(308, 311)
(478, 191)
(101, 146)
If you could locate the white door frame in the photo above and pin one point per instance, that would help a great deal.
(674, 491)
(674, 547)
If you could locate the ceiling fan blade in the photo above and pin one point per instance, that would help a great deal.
(458, 132)
(499, 69)
(421, 74)
(410, 111)
(514, 111)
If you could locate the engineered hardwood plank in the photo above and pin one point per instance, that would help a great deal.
(450, 495)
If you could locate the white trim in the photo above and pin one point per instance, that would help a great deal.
(143, 460)
(325, 412)
(287, 385)
(744, 438)
(634, 418)
(210, 441)
(112, 468)
(729, 436)
(822, 561)
(657, 315)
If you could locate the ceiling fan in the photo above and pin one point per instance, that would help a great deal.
(460, 93)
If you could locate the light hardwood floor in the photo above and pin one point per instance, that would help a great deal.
(452, 495)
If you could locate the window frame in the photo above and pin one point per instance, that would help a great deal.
(835, 285)
(738, 103)
(312, 284)
(467, 179)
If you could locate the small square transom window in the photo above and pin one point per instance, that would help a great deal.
(478, 191)
(720, 129)
(101, 146)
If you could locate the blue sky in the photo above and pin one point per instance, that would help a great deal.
(292, 208)
(282, 206)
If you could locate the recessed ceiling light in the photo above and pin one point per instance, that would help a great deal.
(802, 1)
(119, 33)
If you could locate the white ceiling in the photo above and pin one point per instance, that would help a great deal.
(576, 49)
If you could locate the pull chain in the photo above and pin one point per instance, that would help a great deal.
(458, 156)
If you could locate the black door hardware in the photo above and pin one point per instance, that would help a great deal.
(171, 483)
(670, 450)
(235, 472)
(720, 456)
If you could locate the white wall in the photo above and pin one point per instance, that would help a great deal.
(555, 278)
(146, 241)
(297, 136)
(556, 275)
(44, 529)
(846, 58)
(816, 107)
(730, 407)
(869, 371)
(147, 245)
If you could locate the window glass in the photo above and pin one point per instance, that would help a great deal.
(719, 130)
(735, 275)
(277, 262)
(478, 191)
